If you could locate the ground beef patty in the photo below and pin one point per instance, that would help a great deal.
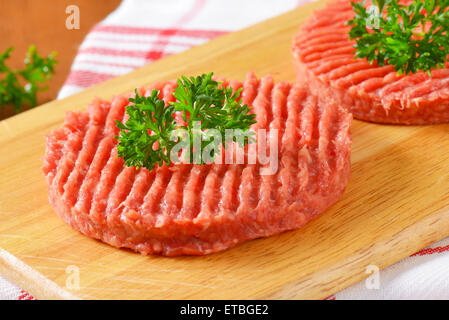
(324, 57)
(199, 209)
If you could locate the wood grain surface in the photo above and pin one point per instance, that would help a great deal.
(40, 22)
(396, 203)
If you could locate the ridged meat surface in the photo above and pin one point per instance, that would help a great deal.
(199, 209)
(324, 56)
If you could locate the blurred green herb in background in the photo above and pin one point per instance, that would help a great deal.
(20, 87)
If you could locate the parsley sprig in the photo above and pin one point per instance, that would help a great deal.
(411, 38)
(20, 87)
(146, 139)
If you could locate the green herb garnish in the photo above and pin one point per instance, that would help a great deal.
(411, 38)
(20, 87)
(146, 139)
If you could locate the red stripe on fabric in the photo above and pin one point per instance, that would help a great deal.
(159, 31)
(139, 41)
(86, 78)
(25, 296)
(199, 4)
(22, 296)
(150, 55)
(430, 251)
(109, 64)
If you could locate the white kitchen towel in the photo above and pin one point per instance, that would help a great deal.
(142, 31)
(424, 275)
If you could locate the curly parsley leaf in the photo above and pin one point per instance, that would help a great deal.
(20, 87)
(146, 139)
(411, 38)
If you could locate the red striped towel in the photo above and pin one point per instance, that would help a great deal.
(140, 32)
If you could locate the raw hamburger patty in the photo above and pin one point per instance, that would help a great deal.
(193, 209)
(324, 56)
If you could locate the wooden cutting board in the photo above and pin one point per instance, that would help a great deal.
(396, 203)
